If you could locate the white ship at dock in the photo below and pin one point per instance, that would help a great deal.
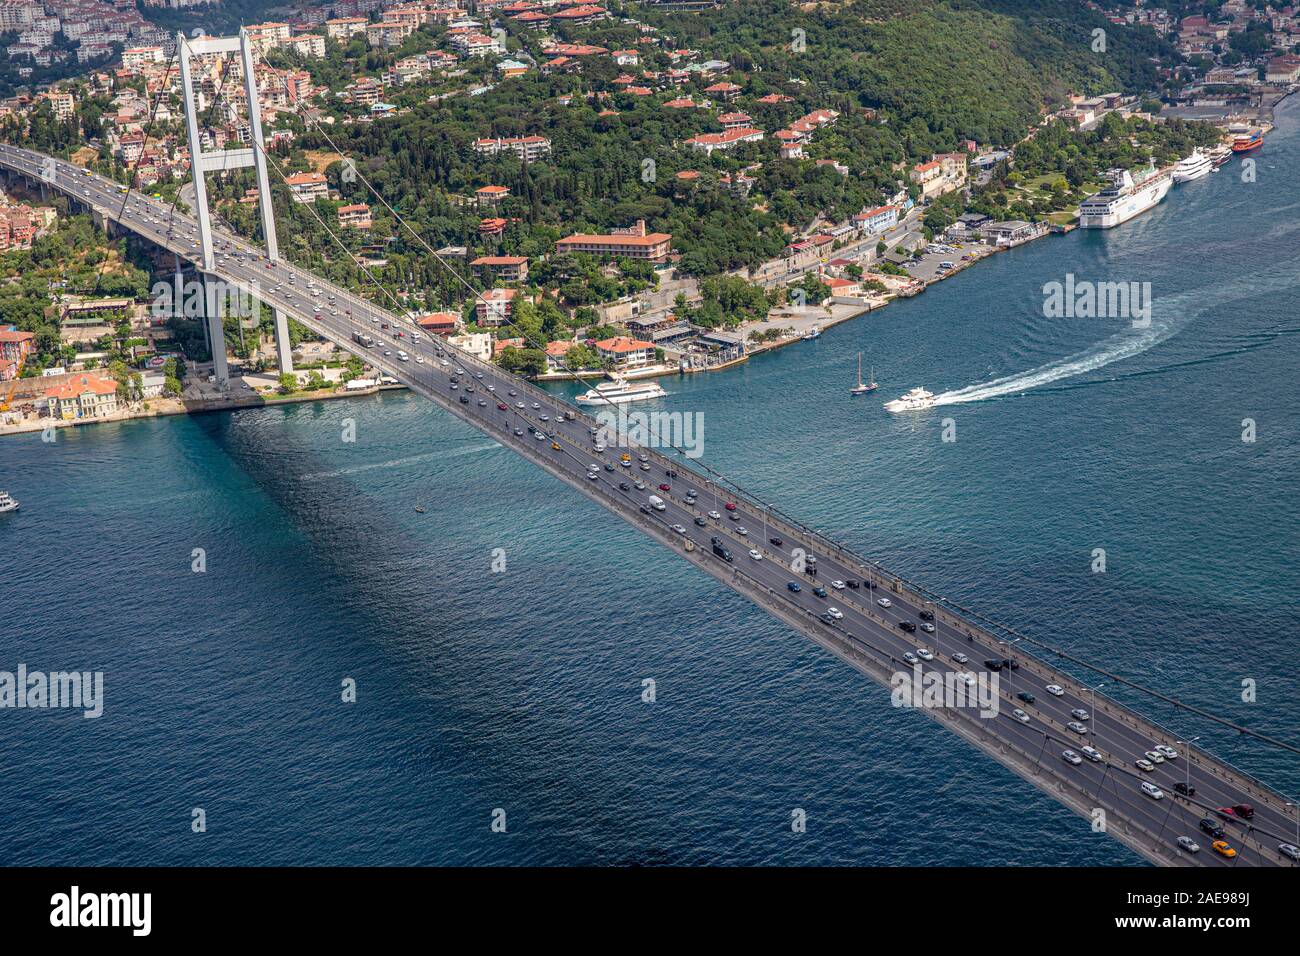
(1123, 199)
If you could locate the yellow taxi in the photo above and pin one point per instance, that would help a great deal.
(1222, 848)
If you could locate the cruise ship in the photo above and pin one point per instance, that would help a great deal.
(1193, 167)
(915, 400)
(1123, 199)
(7, 502)
(620, 391)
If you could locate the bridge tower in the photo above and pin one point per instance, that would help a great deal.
(203, 162)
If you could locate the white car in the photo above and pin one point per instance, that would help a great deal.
(1077, 727)
(1152, 791)
(927, 627)
(967, 678)
(1091, 754)
(753, 553)
(838, 585)
(910, 657)
(1070, 757)
(1080, 714)
(885, 602)
(1055, 690)
(960, 658)
(1154, 756)
(924, 654)
(1020, 715)
(1169, 752)
(838, 614)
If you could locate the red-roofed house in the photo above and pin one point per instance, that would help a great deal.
(626, 352)
(707, 142)
(634, 243)
(439, 323)
(505, 268)
(86, 396)
(496, 306)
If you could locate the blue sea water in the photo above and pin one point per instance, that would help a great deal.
(522, 690)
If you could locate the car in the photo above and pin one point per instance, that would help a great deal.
(700, 521)
(592, 475)
(1238, 811)
(1222, 848)
(519, 431)
(692, 493)
(639, 485)
(536, 407)
(1091, 754)
(775, 542)
(624, 486)
(853, 583)
(925, 654)
(1212, 827)
(827, 619)
(993, 665)
(715, 516)
(1186, 789)
(608, 466)
(540, 436)
(838, 585)
(1077, 727)
(555, 446)
(907, 627)
(1027, 697)
(1289, 850)
(593, 467)
(503, 406)
(519, 404)
(885, 602)
(794, 586)
(730, 506)
(1144, 765)
(835, 613)
(665, 487)
(819, 591)
(645, 509)
(1188, 844)
(1154, 757)
(1080, 714)
(967, 678)
(755, 554)
(1020, 715)
(644, 466)
(1169, 752)
(679, 529)
(742, 532)
(926, 615)
(543, 418)
(1152, 791)
(911, 658)
(464, 400)
(927, 627)
(598, 447)
(670, 473)
(1055, 690)
(1070, 757)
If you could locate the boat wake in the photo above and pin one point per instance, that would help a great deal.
(1122, 345)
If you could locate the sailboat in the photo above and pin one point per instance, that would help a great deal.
(860, 388)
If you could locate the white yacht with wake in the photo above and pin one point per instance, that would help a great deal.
(1123, 199)
(619, 391)
(915, 400)
(7, 502)
(1193, 167)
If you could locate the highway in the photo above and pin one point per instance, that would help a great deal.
(557, 437)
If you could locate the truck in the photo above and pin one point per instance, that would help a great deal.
(720, 550)
(361, 338)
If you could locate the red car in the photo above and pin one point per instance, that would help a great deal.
(665, 487)
(731, 506)
(1238, 811)
(502, 406)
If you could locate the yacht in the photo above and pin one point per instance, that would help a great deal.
(1220, 155)
(915, 400)
(1123, 199)
(1193, 167)
(7, 502)
(860, 388)
(619, 390)
(811, 334)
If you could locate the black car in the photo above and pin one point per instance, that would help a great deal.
(827, 619)
(853, 583)
(993, 665)
(819, 591)
(700, 521)
(624, 486)
(907, 626)
(1010, 664)
(1185, 789)
(608, 466)
(670, 473)
(1212, 828)
(464, 399)
(776, 541)
(645, 509)
(1027, 697)
(926, 615)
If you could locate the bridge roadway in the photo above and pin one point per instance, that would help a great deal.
(868, 635)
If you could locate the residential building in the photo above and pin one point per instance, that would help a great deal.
(495, 307)
(307, 187)
(355, 216)
(504, 268)
(634, 243)
(85, 396)
(626, 352)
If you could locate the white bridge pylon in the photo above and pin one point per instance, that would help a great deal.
(203, 162)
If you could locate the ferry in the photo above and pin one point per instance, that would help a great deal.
(915, 400)
(1123, 199)
(619, 391)
(811, 334)
(7, 502)
(1248, 142)
(1192, 167)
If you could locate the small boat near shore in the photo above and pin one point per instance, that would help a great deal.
(813, 333)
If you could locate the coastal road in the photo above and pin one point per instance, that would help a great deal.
(558, 438)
